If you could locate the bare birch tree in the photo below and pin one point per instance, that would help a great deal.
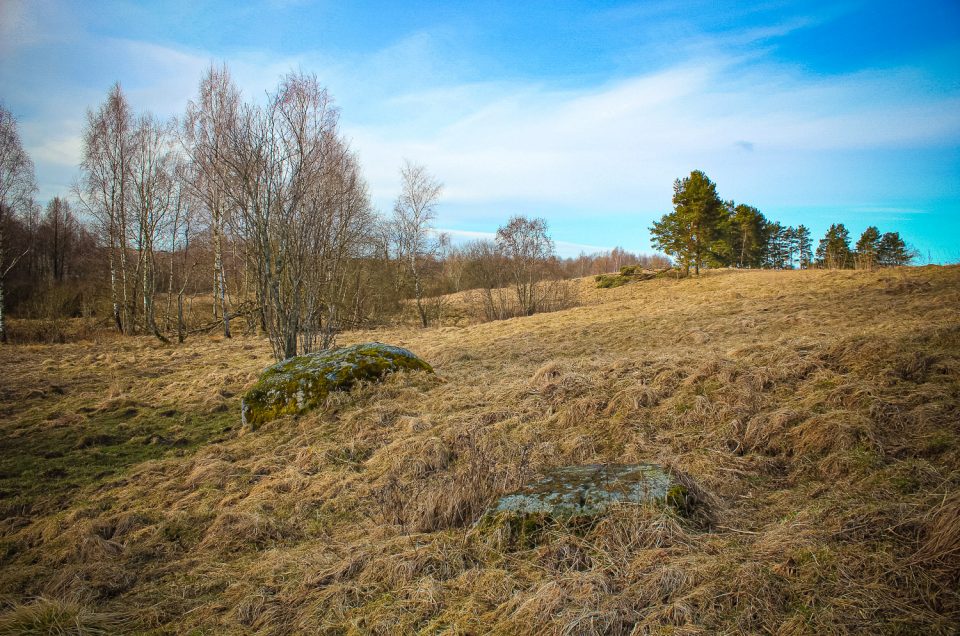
(413, 216)
(17, 185)
(180, 234)
(153, 193)
(210, 119)
(301, 205)
(487, 274)
(526, 244)
(104, 191)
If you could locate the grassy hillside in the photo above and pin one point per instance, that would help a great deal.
(817, 410)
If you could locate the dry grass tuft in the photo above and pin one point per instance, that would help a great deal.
(57, 618)
(941, 535)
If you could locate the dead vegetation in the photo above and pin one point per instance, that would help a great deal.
(817, 411)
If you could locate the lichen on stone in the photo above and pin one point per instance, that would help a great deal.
(303, 382)
(581, 494)
(589, 489)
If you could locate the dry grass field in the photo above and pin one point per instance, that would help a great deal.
(818, 411)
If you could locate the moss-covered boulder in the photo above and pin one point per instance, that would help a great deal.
(303, 382)
(579, 495)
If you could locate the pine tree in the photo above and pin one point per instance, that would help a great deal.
(792, 247)
(747, 236)
(721, 252)
(866, 248)
(804, 246)
(834, 249)
(668, 236)
(778, 253)
(892, 251)
(691, 231)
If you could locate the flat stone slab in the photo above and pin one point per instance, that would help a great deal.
(303, 382)
(589, 490)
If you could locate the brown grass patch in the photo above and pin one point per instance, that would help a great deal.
(815, 412)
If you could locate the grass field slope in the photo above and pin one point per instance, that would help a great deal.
(817, 411)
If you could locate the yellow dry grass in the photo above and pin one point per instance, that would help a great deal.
(817, 411)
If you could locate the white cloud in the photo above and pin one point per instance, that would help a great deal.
(62, 151)
(625, 142)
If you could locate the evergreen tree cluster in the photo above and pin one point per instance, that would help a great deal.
(705, 231)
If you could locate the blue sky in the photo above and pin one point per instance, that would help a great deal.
(581, 112)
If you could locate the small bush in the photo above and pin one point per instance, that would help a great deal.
(608, 281)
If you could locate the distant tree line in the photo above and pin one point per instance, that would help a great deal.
(255, 216)
(705, 231)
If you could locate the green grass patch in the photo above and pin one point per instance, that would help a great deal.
(45, 462)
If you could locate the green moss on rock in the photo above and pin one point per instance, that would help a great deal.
(303, 382)
(678, 498)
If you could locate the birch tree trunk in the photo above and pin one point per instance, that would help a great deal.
(219, 276)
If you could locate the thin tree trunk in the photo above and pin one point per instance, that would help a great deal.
(148, 290)
(166, 322)
(181, 327)
(127, 318)
(3, 324)
(418, 290)
(743, 248)
(139, 276)
(117, 319)
(216, 264)
(220, 284)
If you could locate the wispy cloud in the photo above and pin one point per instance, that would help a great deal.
(873, 209)
(620, 143)
(19, 26)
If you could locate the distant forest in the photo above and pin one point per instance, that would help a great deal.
(256, 216)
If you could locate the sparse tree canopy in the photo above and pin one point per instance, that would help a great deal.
(17, 185)
(303, 207)
(62, 230)
(528, 247)
(209, 123)
(17, 180)
(104, 190)
(413, 216)
(153, 163)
